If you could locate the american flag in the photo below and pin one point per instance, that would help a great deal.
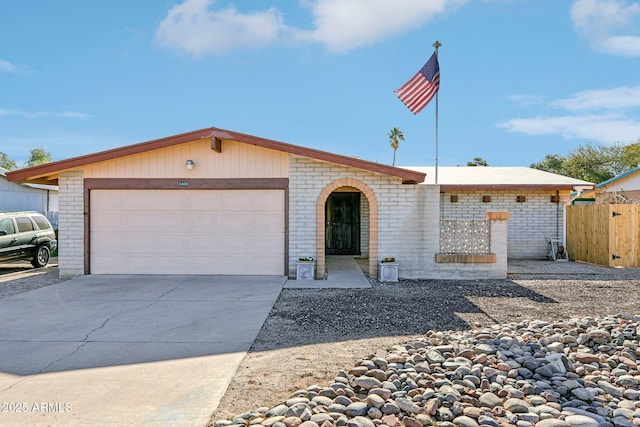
(417, 92)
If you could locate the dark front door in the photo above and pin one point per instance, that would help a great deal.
(343, 224)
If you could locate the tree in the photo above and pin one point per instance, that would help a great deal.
(395, 136)
(553, 163)
(593, 163)
(6, 162)
(478, 161)
(39, 156)
(590, 163)
(630, 156)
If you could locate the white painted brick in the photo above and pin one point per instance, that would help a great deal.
(71, 224)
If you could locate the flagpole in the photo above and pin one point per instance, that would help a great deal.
(436, 45)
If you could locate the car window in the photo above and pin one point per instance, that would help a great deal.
(6, 225)
(24, 224)
(41, 221)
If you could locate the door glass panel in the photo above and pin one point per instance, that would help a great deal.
(6, 225)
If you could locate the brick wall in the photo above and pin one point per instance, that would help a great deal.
(408, 219)
(531, 223)
(71, 224)
(364, 227)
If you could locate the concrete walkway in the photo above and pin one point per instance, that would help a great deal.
(342, 272)
(127, 350)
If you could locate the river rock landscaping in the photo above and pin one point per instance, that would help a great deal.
(578, 372)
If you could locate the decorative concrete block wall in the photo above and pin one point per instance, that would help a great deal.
(71, 225)
(479, 266)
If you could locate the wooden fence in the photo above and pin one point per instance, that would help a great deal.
(604, 234)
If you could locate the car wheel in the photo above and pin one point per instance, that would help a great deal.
(41, 257)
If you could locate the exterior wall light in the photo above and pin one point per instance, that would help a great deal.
(190, 164)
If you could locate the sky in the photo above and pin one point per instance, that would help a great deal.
(520, 79)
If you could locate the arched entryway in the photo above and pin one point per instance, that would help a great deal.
(350, 185)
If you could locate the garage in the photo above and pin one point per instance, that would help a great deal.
(187, 231)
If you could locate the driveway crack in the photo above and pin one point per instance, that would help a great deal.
(86, 340)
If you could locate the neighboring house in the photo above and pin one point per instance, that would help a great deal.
(623, 186)
(28, 197)
(535, 199)
(214, 201)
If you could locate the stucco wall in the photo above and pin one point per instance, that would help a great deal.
(531, 223)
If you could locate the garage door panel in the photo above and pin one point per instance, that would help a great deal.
(246, 246)
(196, 265)
(187, 232)
(270, 221)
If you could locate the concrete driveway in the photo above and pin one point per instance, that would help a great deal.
(127, 350)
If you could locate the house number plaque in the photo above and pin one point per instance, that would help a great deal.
(183, 184)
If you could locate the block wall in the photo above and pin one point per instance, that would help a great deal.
(408, 220)
(531, 223)
(71, 224)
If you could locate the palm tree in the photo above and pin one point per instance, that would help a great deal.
(395, 136)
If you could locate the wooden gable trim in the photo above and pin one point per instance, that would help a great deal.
(47, 173)
(216, 144)
(52, 169)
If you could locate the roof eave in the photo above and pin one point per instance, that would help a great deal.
(512, 187)
(408, 176)
(37, 174)
(47, 173)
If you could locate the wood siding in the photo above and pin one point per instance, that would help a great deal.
(237, 160)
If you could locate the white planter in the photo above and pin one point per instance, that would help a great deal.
(388, 271)
(305, 270)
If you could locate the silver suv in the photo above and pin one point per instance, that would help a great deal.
(26, 235)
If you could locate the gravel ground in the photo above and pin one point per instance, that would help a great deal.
(311, 334)
(22, 277)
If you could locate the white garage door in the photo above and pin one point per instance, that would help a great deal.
(187, 232)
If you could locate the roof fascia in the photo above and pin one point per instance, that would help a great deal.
(47, 173)
(617, 177)
(36, 173)
(408, 176)
(511, 187)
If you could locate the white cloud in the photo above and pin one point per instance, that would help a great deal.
(344, 25)
(8, 67)
(604, 99)
(603, 128)
(610, 26)
(196, 27)
(38, 114)
(523, 99)
(606, 117)
(193, 27)
(628, 46)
